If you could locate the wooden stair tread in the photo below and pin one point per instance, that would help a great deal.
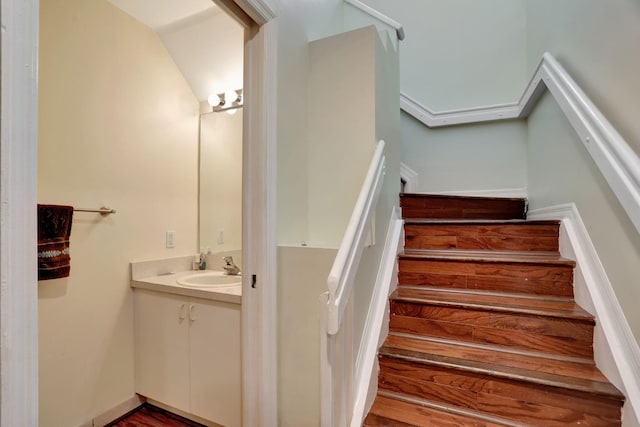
(422, 412)
(507, 303)
(583, 368)
(483, 327)
(487, 256)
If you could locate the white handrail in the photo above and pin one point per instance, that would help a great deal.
(340, 280)
(379, 16)
(617, 161)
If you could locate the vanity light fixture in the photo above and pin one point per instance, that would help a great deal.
(228, 100)
(214, 100)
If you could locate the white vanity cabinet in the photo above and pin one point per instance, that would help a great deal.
(188, 354)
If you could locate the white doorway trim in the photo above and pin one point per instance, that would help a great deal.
(259, 321)
(18, 194)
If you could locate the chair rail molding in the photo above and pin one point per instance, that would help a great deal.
(617, 161)
(591, 279)
(379, 16)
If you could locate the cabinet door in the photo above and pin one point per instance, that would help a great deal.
(216, 362)
(162, 347)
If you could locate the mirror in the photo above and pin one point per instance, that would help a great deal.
(220, 192)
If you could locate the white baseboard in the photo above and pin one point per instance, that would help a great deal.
(616, 349)
(114, 413)
(366, 371)
(410, 178)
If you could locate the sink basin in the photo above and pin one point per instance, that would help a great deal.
(210, 279)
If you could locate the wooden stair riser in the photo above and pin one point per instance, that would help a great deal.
(516, 400)
(561, 336)
(506, 237)
(447, 207)
(553, 280)
(417, 415)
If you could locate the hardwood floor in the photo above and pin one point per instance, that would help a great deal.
(151, 416)
(483, 328)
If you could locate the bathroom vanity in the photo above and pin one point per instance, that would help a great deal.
(187, 342)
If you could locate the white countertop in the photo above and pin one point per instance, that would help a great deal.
(168, 283)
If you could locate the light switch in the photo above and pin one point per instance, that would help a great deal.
(170, 239)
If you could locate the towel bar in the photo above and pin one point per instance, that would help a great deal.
(104, 211)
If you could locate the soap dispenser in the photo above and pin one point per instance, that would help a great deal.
(203, 262)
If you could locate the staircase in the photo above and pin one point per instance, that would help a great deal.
(484, 330)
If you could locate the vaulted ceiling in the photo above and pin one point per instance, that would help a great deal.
(204, 42)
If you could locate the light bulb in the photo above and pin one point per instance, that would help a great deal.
(229, 97)
(232, 111)
(214, 100)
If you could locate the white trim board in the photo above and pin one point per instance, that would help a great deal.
(617, 161)
(379, 16)
(115, 412)
(365, 376)
(410, 178)
(591, 281)
(18, 198)
(259, 317)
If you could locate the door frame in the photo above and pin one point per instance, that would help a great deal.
(18, 191)
(259, 320)
(18, 198)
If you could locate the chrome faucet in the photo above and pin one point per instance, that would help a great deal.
(230, 268)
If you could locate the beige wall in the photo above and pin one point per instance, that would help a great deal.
(476, 157)
(341, 130)
(298, 23)
(341, 139)
(118, 126)
(453, 60)
(562, 171)
(596, 42)
(302, 278)
(460, 53)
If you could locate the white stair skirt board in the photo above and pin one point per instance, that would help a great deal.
(617, 161)
(616, 351)
(366, 372)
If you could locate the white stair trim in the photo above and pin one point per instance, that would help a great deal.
(410, 178)
(379, 16)
(592, 280)
(366, 375)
